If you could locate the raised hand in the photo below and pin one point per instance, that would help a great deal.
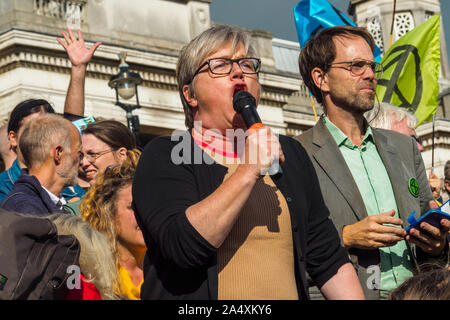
(79, 56)
(76, 49)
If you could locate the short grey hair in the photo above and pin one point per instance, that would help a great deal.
(382, 117)
(193, 54)
(40, 135)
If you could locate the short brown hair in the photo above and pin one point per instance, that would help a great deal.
(24, 109)
(320, 52)
(114, 133)
(428, 285)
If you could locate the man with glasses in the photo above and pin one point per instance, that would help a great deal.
(371, 179)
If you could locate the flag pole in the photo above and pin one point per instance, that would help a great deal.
(432, 145)
(392, 24)
(312, 103)
(432, 155)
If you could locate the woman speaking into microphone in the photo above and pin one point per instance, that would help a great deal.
(216, 224)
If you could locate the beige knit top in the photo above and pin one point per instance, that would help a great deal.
(256, 260)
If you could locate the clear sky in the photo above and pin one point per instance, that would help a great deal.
(276, 16)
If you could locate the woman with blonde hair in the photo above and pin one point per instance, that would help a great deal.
(107, 208)
(99, 276)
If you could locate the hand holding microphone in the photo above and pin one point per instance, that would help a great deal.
(261, 144)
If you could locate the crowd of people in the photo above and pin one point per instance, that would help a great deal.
(201, 215)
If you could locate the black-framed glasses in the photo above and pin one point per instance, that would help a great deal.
(92, 156)
(222, 66)
(358, 66)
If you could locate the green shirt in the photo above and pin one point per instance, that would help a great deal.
(375, 187)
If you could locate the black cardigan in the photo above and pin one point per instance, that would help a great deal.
(180, 263)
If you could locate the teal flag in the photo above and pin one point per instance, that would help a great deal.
(311, 16)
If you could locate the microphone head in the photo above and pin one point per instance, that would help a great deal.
(241, 99)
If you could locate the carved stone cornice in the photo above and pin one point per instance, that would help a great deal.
(17, 56)
(21, 48)
(40, 51)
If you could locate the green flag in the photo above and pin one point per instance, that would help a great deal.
(411, 71)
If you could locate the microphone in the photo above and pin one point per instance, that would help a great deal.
(245, 104)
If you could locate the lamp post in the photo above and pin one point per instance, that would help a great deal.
(125, 83)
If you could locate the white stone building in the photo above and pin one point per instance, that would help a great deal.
(33, 64)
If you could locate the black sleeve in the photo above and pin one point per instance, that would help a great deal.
(324, 252)
(162, 191)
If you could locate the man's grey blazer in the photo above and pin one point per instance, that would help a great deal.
(402, 160)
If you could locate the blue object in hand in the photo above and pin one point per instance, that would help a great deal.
(432, 217)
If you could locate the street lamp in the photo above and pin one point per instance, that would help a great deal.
(125, 83)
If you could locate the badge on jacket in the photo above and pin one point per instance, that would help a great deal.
(3, 280)
(413, 187)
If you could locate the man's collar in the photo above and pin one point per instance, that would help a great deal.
(340, 137)
(59, 201)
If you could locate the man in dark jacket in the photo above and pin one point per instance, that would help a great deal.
(51, 148)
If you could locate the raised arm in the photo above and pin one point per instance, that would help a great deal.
(79, 56)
